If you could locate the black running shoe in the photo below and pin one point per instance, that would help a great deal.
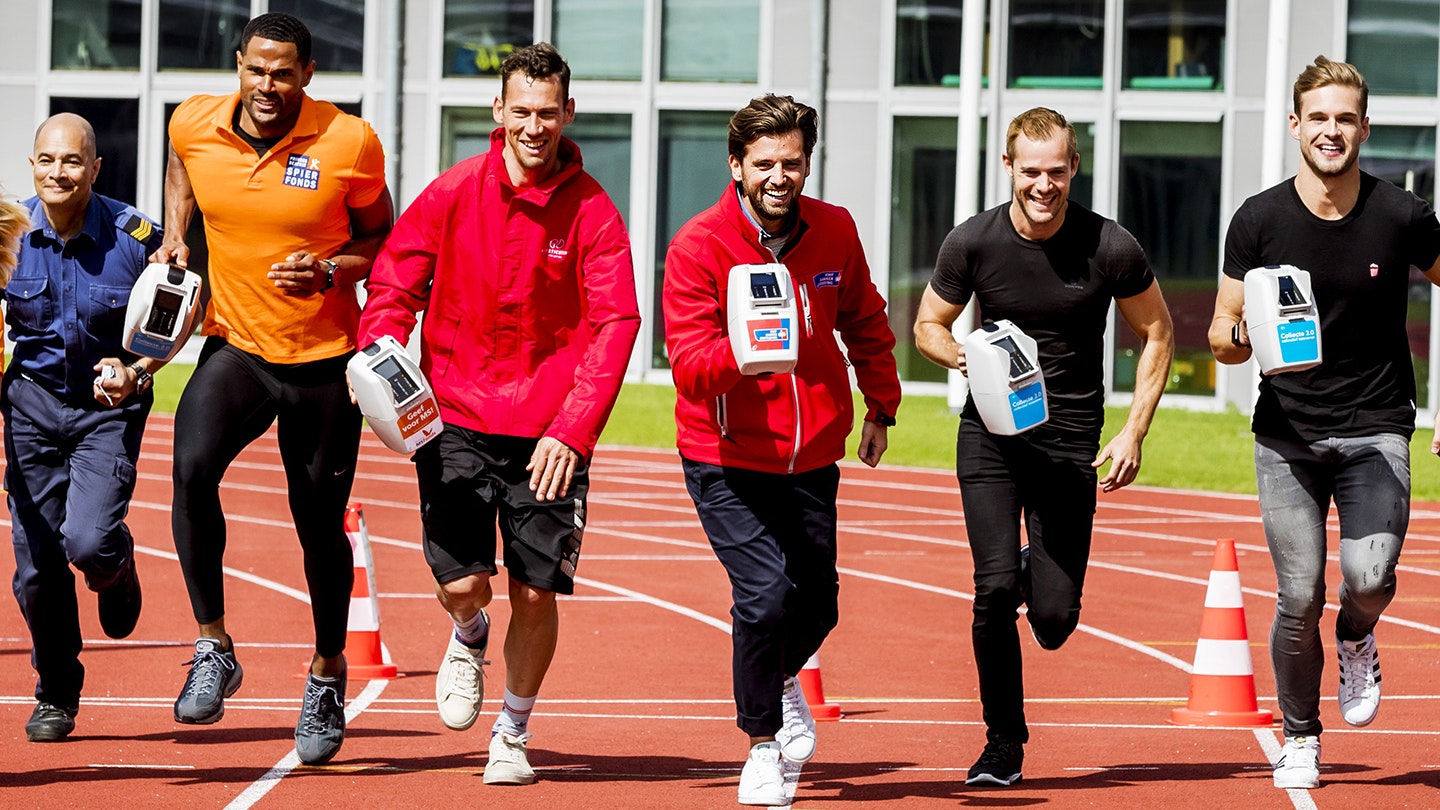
(999, 764)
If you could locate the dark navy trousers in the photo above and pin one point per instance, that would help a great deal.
(775, 535)
(70, 472)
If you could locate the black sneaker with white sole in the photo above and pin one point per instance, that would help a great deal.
(999, 764)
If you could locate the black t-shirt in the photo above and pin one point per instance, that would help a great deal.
(1359, 270)
(1057, 291)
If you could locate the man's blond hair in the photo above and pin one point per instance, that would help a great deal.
(1040, 124)
(1324, 73)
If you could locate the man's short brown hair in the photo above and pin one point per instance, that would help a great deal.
(775, 116)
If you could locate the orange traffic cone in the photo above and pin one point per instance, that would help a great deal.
(1222, 681)
(365, 657)
(815, 691)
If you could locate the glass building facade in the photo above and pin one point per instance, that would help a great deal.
(1171, 100)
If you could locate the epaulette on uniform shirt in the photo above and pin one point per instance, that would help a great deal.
(134, 224)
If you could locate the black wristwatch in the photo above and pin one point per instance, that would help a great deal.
(884, 420)
(1235, 336)
(143, 378)
(331, 270)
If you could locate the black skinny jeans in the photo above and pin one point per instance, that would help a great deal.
(230, 401)
(1044, 478)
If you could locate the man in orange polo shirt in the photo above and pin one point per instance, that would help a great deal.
(295, 206)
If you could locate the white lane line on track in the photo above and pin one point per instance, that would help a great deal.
(257, 789)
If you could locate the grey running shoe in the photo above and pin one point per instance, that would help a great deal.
(214, 676)
(321, 730)
(49, 723)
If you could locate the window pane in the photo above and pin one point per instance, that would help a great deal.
(201, 34)
(927, 42)
(601, 39)
(604, 141)
(116, 122)
(1395, 44)
(1170, 201)
(1057, 43)
(922, 212)
(337, 31)
(479, 34)
(464, 133)
(1174, 44)
(1406, 157)
(710, 41)
(95, 34)
(693, 172)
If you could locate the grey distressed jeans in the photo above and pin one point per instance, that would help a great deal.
(1369, 480)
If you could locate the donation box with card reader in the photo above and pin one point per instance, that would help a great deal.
(394, 396)
(762, 318)
(161, 312)
(1282, 319)
(1005, 378)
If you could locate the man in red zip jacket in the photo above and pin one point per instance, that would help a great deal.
(523, 267)
(760, 451)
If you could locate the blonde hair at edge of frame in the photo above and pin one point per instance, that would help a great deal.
(1040, 124)
(13, 223)
(1325, 73)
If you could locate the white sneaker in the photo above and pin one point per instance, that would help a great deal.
(509, 764)
(460, 685)
(761, 781)
(1359, 680)
(797, 727)
(1299, 763)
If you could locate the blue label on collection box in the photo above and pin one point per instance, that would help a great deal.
(1027, 405)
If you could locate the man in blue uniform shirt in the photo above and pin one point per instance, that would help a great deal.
(74, 403)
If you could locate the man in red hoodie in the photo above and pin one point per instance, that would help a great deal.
(523, 267)
(760, 451)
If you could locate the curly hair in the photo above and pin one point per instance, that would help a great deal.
(538, 61)
(13, 222)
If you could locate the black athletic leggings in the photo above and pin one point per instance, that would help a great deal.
(230, 401)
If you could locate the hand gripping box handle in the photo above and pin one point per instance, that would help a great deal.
(161, 312)
(394, 395)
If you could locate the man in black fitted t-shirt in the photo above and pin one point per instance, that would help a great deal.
(1052, 268)
(1339, 431)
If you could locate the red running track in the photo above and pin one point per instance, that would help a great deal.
(636, 711)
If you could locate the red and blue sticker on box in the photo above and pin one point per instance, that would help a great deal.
(769, 334)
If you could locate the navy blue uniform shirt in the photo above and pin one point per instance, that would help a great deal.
(65, 304)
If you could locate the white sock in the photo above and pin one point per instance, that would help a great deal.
(515, 715)
(474, 633)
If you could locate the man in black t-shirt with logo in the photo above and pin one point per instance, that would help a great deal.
(1051, 267)
(1339, 431)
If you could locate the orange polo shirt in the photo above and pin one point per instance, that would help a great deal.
(260, 209)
